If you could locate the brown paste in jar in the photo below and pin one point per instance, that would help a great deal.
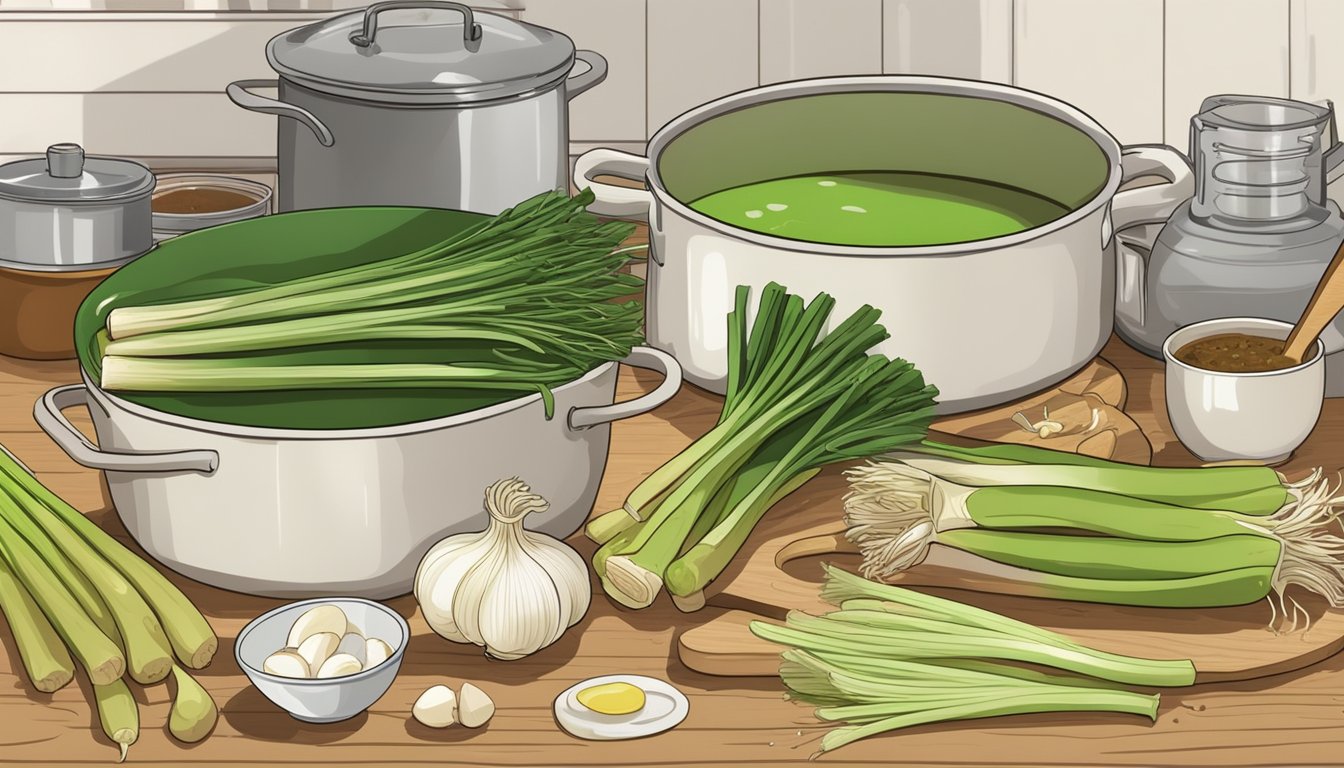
(1235, 353)
(200, 200)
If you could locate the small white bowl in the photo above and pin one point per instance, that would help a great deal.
(1261, 416)
(333, 699)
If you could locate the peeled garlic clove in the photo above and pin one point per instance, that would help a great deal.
(286, 663)
(436, 707)
(318, 648)
(354, 645)
(323, 618)
(376, 652)
(474, 707)
(339, 665)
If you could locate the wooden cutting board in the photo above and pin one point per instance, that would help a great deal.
(779, 570)
(1088, 405)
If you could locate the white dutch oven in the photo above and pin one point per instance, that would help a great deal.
(986, 321)
(291, 513)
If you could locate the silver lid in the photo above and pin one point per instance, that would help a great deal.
(422, 52)
(67, 175)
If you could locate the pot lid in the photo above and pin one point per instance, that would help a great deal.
(66, 175)
(422, 51)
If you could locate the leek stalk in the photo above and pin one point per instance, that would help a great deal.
(117, 714)
(97, 653)
(134, 627)
(1061, 541)
(521, 303)
(797, 399)
(893, 658)
(194, 713)
(188, 633)
(45, 659)
(1249, 490)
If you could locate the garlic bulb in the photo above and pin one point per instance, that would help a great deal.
(511, 590)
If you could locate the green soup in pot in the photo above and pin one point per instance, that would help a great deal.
(879, 208)
(910, 168)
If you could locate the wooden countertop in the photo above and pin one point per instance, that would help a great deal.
(1294, 719)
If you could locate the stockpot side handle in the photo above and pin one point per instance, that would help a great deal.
(1153, 204)
(616, 202)
(647, 358)
(239, 94)
(48, 415)
(596, 73)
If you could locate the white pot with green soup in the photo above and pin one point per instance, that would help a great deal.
(978, 217)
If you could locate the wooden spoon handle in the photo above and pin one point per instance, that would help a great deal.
(1324, 305)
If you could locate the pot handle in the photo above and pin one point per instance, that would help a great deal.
(471, 31)
(640, 357)
(238, 94)
(616, 202)
(596, 73)
(48, 415)
(1153, 204)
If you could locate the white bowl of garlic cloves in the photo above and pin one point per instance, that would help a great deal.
(323, 660)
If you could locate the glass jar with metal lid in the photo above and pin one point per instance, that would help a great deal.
(66, 222)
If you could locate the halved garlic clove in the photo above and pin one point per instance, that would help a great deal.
(339, 665)
(376, 652)
(354, 645)
(286, 663)
(436, 707)
(318, 648)
(474, 707)
(322, 618)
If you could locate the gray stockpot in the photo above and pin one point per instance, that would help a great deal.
(442, 107)
(304, 513)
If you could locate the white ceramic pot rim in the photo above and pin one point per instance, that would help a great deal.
(1206, 328)
(105, 399)
(1036, 102)
(271, 615)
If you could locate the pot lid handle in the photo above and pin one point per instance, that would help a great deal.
(65, 161)
(471, 31)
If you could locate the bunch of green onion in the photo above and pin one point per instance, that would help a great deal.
(519, 303)
(797, 398)
(893, 658)
(1048, 524)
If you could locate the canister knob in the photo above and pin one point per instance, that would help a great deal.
(65, 161)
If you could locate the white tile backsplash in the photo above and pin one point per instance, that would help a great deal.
(699, 50)
(956, 38)
(1111, 72)
(508, 7)
(1140, 67)
(614, 110)
(1221, 46)
(819, 38)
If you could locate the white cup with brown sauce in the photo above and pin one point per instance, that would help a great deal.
(1232, 397)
